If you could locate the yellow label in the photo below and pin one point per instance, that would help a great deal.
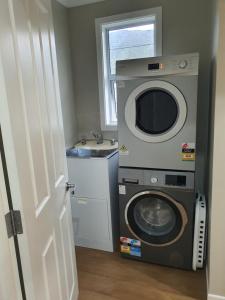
(188, 156)
(125, 249)
(123, 148)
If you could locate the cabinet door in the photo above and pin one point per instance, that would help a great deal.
(90, 176)
(91, 223)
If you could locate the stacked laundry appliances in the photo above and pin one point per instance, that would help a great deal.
(157, 109)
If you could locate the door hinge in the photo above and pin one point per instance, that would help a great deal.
(13, 223)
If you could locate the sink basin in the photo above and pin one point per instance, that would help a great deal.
(88, 153)
(92, 145)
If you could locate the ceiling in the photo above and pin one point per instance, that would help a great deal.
(74, 3)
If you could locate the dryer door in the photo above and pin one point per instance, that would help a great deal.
(155, 111)
(155, 218)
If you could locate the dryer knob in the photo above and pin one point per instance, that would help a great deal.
(154, 180)
(183, 64)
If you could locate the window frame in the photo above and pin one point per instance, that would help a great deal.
(102, 26)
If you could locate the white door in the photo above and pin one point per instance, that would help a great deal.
(31, 120)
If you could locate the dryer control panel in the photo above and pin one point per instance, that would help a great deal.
(186, 64)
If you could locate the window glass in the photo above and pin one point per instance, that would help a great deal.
(123, 37)
(127, 43)
(130, 43)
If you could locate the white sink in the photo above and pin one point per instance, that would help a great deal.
(92, 145)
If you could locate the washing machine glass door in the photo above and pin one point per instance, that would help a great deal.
(155, 218)
(155, 111)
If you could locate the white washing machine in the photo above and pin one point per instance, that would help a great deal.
(157, 109)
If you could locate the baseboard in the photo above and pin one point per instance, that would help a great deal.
(98, 245)
(215, 297)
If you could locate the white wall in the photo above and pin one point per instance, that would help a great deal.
(217, 165)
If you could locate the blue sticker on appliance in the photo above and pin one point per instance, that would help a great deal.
(135, 251)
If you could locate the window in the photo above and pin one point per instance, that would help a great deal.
(121, 37)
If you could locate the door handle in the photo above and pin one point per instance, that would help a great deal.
(70, 186)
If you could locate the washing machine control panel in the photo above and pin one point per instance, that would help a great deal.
(156, 178)
(171, 180)
(176, 180)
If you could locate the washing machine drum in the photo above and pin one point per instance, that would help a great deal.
(155, 218)
(155, 111)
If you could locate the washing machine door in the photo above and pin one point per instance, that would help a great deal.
(155, 111)
(155, 218)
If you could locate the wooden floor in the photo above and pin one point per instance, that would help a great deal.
(106, 276)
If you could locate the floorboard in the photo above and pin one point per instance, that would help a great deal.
(107, 276)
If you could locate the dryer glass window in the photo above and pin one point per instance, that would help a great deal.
(156, 111)
(155, 219)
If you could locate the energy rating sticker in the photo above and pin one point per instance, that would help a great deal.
(125, 249)
(188, 156)
(135, 251)
(130, 246)
(188, 151)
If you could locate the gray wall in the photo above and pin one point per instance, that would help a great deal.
(187, 27)
(66, 79)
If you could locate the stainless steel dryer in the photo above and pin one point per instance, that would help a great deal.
(157, 108)
(157, 216)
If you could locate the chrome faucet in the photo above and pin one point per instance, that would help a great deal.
(112, 142)
(83, 141)
(98, 136)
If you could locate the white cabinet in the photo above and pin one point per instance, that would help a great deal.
(91, 223)
(95, 203)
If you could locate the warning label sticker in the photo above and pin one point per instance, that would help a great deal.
(188, 151)
(123, 150)
(130, 246)
(122, 189)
